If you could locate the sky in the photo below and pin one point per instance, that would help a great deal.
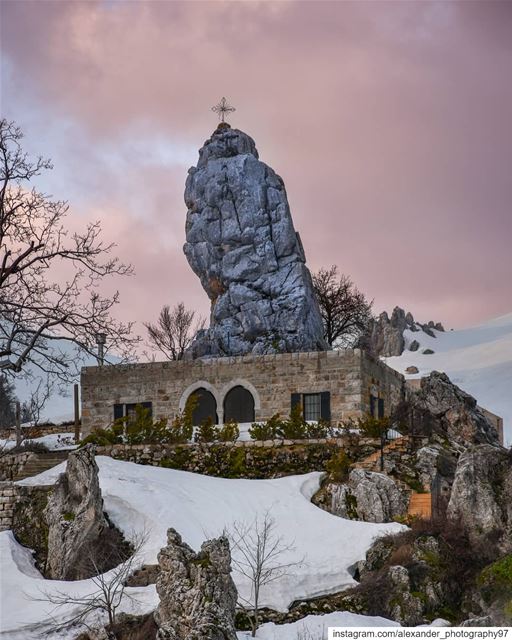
(390, 123)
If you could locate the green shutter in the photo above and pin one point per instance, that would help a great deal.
(296, 399)
(118, 411)
(325, 406)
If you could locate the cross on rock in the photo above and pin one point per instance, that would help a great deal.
(223, 108)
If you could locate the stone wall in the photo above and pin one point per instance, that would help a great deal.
(12, 464)
(21, 509)
(271, 379)
(254, 459)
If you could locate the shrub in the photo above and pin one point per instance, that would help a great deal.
(295, 428)
(207, 431)
(338, 467)
(229, 431)
(266, 430)
(371, 427)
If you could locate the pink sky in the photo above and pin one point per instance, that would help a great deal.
(390, 124)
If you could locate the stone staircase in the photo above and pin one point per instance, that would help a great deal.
(40, 462)
(372, 462)
(420, 504)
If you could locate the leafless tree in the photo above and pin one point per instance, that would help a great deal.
(107, 592)
(174, 331)
(36, 306)
(258, 554)
(346, 313)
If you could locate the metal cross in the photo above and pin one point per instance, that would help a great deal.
(223, 108)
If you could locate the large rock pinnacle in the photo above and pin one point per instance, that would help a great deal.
(242, 245)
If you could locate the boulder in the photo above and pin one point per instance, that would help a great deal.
(412, 369)
(75, 519)
(369, 496)
(242, 245)
(481, 496)
(440, 406)
(197, 594)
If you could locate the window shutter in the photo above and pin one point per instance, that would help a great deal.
(325, 411)
(381, 407)
(148, 405)
(118, 411)
(372, 406)
(296, 399)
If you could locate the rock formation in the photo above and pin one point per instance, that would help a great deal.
(386, 335)
(481, 496)
(369, 496)
(242, 245)
(75, 518)
(440, 406)
(197, 594)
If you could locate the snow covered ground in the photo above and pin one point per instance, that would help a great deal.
(478, 359)
(53, 442)
(148, 498)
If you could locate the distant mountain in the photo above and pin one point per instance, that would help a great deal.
(478, 359)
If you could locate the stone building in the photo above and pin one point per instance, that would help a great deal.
(332, 385)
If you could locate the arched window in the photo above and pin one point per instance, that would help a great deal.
(206, 407)
(239, 405)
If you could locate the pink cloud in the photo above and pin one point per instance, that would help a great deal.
(389, 123)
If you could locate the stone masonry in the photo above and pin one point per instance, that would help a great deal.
(350, 376)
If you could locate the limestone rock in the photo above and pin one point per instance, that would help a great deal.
(481, 496)
(242, 244)
(369, 496)
(197, 594)
(412, 369)
(385, 336)
(75, 518)
(451, 411)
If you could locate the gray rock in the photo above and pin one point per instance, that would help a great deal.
(197, 594)
(369, 496)
(481, 621)
(412, 369)
(385, 336)
(75, 518)
(450, 411)
(404, 607)
(427, 352)
(242, 245)
(481, 496)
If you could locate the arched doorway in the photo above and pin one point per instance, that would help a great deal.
(239, 405)
(206, 407)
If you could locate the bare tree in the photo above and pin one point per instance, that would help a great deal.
(174, 331)
(346, 313)
(37, 307)
(258, 555)
(107, 592)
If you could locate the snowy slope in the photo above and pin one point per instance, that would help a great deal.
(148, 498)
(478, 359)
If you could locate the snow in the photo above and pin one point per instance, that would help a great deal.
(52, 441)
(143, 498)
(314, 627)
(477, 359)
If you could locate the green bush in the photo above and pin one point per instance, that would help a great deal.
(182, 428)
(371, 427)
(229, 431)
(207, 431)
(268, 430)
(338, 467)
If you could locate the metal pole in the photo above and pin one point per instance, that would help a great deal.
(18, 424)
(77, 413)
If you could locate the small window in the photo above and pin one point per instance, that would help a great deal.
(312, 406)
(124, 410)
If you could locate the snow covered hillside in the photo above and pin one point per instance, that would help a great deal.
(148, 498)
(478, 359)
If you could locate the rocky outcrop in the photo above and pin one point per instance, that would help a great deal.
(369, 496)
(481, 496)
(385, 336)
(77, 526)
(242, 245)
(440, 406)
(197, 594)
